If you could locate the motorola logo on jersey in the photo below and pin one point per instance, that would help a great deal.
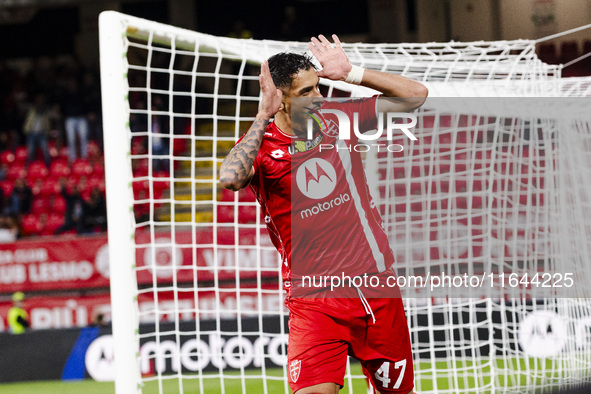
(316, 178)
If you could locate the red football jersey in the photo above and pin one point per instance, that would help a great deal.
(319, 210)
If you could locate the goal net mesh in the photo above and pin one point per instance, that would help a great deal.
(485, 191)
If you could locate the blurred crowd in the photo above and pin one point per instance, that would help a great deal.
(50, 128)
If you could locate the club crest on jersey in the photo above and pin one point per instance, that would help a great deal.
(327, 127)
(316, 178)
(294, 370)
(305, 145)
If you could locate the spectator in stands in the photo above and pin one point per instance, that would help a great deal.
(21, 198)
(95, 211)
(74, 109)
(75, 206)
(18, 318)
(37, 127)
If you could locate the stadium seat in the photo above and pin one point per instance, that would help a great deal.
(54, 221)
(59, 168)
(227, 195)
(139, 187)
(93, 149)
(98, 169)
(587, 61)
(137, 145)
(140, 167)
(40, 205)
(37, 170)
(247, 214)
(53, 151)
(399, 172)
(6, 187)
(569, 50)
(445, 121)
(81, 167)
(246, 195)
(58, 205)
(37, 188)
(96, 181)
(51, 186)
(7, 157)
(179, 146)
(20, 154)
(547, 53)
(31, 225)
(15, 171)
(225, 213)
(63, 152)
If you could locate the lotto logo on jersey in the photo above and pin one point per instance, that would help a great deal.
(316, 178)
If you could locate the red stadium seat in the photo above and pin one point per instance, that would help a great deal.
(6, 187)
(225, 213)
(21, 154)
(81, 167)
(37, 188)
(246, 195)
(37, 170)
(53, 151)
(59, 168)
(138, 145)
(227, 195)
(179, 146)
(139, 187)
(7, 157)
(64, 152)
(140, 167)
(54, 221)
(59, 205)
(93, 149)
(98, 182)
(40, 205)
(98, 169)
(31, 225)
(51, 186)
(247, 215)
(15, 171)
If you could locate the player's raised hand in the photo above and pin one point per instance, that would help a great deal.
(271, 98)
(335, 63)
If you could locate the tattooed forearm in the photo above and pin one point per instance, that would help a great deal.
(236, 168)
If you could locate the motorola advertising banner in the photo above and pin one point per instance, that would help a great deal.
(78, 353)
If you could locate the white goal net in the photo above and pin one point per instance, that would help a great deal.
(496, 187)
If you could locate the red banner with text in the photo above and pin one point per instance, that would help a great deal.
(64, 263)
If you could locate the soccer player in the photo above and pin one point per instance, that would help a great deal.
(322, 219)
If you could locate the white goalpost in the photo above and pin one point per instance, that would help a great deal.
(497, 186)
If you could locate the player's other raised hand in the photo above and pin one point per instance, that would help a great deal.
(335, 63)
(271, 98)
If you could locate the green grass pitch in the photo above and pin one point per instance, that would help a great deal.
(514, 372)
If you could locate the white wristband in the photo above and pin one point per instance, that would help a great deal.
(355, 75)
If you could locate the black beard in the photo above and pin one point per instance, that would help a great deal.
(300, 129)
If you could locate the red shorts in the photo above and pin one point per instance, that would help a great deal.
(323, 331)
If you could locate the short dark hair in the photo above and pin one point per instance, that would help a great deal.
(283, 66)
